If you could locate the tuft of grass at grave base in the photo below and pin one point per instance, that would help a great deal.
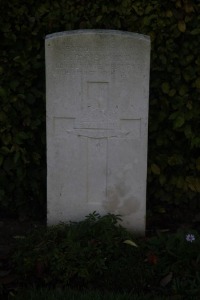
(59, 294)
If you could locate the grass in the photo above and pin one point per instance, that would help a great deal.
(58, 294)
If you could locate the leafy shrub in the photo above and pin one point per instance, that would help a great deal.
(97, 253)
(73, 254)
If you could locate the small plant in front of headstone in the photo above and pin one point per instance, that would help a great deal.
(98, 253)
(81, 254)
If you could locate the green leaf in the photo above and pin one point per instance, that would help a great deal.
(197, 83)
(165, 87)
(198, 61)
(4, 150)
(180, 182)
(126, 3)
(175, 160)
(6, 138)
(36, 157)
(8, 164)
(182, 26)
(183, 90)
(16, 157)
(193, 184)
(20, 137)
(131, 243)
(169, 14)
(162, 179)
(2, 92)
(139, 10)
(160, 209)
(195, 142)
(179, 121)
(155, 169)
(98, 19)
(198, 164)
(167, 279)
(3, 116)
(189, 7)
(172, 92)
(148, 9)
(14, 84)
(1, 159)
(196, 31)
(188, 131)
(174, 115)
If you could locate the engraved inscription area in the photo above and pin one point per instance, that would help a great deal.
(97, 95)
(82, 54)
(76, 58)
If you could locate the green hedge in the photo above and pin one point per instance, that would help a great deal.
(174, 140)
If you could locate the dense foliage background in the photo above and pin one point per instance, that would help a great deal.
(174, 116)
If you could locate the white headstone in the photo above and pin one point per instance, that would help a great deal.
(97, 88)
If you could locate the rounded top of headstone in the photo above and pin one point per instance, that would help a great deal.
(99, 32)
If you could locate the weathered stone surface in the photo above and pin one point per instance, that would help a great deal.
(97, 86)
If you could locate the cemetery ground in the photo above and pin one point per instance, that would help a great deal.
(95, 259)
